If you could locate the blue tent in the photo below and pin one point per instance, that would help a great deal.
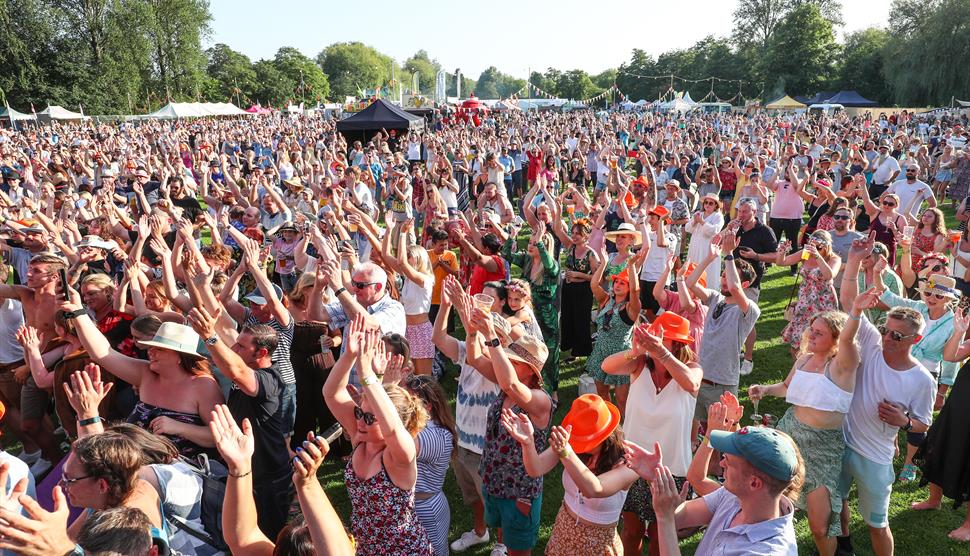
(820, 98)
(851, 98)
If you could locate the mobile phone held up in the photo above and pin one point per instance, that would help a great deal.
(62, 274)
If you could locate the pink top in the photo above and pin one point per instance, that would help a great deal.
(787, 202)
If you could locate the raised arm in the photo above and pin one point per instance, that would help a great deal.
(519, 427)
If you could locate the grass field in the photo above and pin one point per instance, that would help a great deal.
(916, 533)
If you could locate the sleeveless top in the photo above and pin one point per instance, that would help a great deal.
(144, 413)
(382, 518)
(817, 391)
(578, 264)
(416, 299)
(602, 511)
(663, 417)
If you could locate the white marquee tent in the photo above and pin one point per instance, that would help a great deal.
(60, 114)
(177, 110)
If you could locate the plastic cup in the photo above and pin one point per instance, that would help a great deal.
(908, 231)
(955, 235)
(484, 301)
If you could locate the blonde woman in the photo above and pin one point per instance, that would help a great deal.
(413, 263)
(382, 471)
(820, 387)
(816, 293)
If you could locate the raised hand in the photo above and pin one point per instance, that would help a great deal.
(40, 533)
(666, 497)
(308, 459)
(518, 425)
(867, 299)
(642, 461)
(202, 322)
(27, 336)
(559, 438)
(961, 322)
(86, 390)
(734, 409)
(235, 445)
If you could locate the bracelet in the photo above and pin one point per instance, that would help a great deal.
(91, 421)
(75, 314)
(631, 355)
(239, 475)
(368, 380)
(564, 453)
(667, 355)
(853, 317)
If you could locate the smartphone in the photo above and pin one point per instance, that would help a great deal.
(333, 433)
(62, 273)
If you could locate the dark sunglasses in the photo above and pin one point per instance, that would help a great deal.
(841, 217)
(710, 203)
(888, 204)
(362, 285)
(894, 335)
(368, 417)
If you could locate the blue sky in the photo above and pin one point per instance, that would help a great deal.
(513, 36)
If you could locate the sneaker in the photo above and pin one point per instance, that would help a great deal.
(40, 467)
(499, 550)
(30, 458)
(907, 473)
(746, 367)
(469, 539)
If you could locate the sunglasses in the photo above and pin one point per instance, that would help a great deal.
(841, 217)
(936, 295)
(894, 335)
(710, 203)
(888, 204)
(66, 482)
(368, 417)
(362, 285)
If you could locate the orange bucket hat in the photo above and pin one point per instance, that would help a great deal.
(592, 420)
(671, 326)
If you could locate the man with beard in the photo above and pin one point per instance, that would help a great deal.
(842, 236)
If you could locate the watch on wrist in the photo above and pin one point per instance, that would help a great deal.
(494, 342)
(729, 257)
(211, 341)
(909, 424)
(339, 291)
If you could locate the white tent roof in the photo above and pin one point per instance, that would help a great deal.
(15, 116)
(58, 113)
(687, 98)
(675, 105)
(174, 110)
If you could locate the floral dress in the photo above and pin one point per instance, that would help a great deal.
(925, 244)
(815, 295)
(615, 335)
(383, 519)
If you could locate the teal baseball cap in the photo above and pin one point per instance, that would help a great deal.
(763, 447)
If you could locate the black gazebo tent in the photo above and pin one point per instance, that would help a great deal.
(379, 115)
(851, 98)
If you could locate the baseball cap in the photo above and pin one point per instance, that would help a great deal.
(763, 447)
(257, 296)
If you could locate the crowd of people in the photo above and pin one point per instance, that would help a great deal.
(195, 314)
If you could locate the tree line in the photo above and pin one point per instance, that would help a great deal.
(131, 56)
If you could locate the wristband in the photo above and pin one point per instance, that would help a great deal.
(853, 317)
(91, 421)
(339, 291)
(564, 453)
(237, 476)
(368, 380)
(75, 314)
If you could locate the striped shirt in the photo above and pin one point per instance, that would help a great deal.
(281, 355)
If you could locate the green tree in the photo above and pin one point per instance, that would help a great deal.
(577, 85)
(605, 79)
(467, 85)
(175, 31)
(755, 21)
(272, 86)
(354, 66)
(310, 82)
(861, 67)
(426, 68)
(232, 73)
(802, 50)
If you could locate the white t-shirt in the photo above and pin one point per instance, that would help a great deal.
(11, 319)
(414, 150)
(884, 170)
(449, 196)
(475, 395)
(912, 389)
(657, 257)
(907, 191)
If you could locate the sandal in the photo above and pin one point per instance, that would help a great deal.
(907, 473)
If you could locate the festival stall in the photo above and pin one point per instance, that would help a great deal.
(379, 115)
(57, 113)
(785, 103)
(179, 110)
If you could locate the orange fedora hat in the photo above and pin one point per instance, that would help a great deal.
(671, 326)
(592, 420)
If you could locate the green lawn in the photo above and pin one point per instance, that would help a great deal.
(915, 532)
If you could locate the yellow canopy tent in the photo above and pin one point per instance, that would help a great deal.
(784, 103)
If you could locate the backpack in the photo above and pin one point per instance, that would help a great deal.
(213, 475)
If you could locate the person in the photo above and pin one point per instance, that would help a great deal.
(785, 216)
(929, 236)
(885, 169)
(751, 514)
(893, 391)
(413, 263)
(665, 379)
(589, 444)
(936, 295)
(618, 313)
(577, 287)
(702, 227)
(381, 474)
(819, 387)
(730, 318)
(912, 191)
(843, 234)
(756, 244)
(118, 531)
(513, 499)
(435, 444)
(322, 532)
(886, 222)
(816, 294)
(257, 394)
(540, 269)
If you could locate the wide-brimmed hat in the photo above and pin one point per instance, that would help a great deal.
(176, 337)
(95, 241)
(593, 420)
(940, 284)
(530, 351)
(671, 326)
(293, 182)
(626, 229)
